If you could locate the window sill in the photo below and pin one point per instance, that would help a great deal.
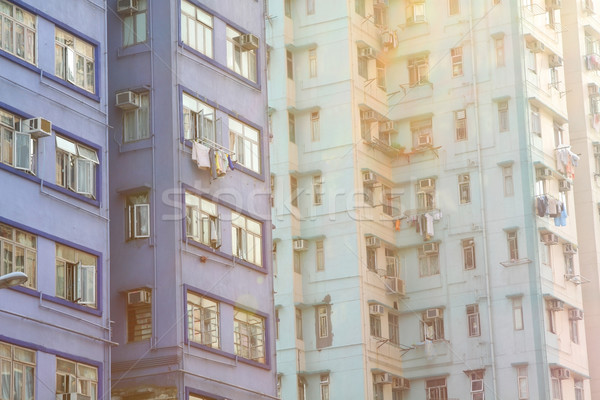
(226, 354)
(93, 96)
(57, 300)
(93, 202)
(20, 61)
(235, 260)
(512, 263)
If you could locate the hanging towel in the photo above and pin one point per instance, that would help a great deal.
(230, 162)
(214, 238)
(200, 155)
(213, 167)
(397, 225)
(429, 224)
(219, 163)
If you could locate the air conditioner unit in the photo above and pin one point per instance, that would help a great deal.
(543, 173)
(561, 373)
(569, 248)
(36, 127)
(400, 383)
(430, 248)
(553, 4)
(373, 241)
(564, 186)
(383, 378)
(575, 314)
(300, 245)
(555, 60)
(380, 3)
(367, 52)
(127, 6)
(74, 396)
(138, 297)
(424, 140)
(369, 115)
(536, 46)
(248, 42)
(369, 177)
(549, 239)
(376, 309)
(396, 286)
(387, 126)
(127, 100)
(433, 313)
(426, 184)
(555, 305)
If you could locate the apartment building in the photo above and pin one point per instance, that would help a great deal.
(191, 279)
(426, 236)
(55, 328)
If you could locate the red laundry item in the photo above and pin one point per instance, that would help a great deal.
(397, 225)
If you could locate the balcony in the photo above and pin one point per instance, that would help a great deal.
(592, 62)
(382, 146)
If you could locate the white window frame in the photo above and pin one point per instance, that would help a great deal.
(579, 391)
(76, 167)
(75, 379)
(239, 60)
(432, 328)
(76, 281)
(507, 178)
(17, 245)
(249, 335)
(574, 330)
(135, 25)
(363, 66)
(203, 320)
(315, 130)
(429, 264)
(324, 386)
(199, 119)
(499, 47)
(312, 62)
(418, 71)
(138, 215)
(246, 238)
(436, 389)
(371, 258)
(17, 149)
(522, 382)
(468, 251)
(513, 245)
(203, 221)
(517, 313)
(464, 188)
(197, 28)
(503, 122)
(72, 52)
(375, 325)
(380, 73)
(460, 125)
(556, 388)
(415, 13)
(323, 318)
(473, 320)
(136, 122)
(245, 142)
(22, 31)
(317, 190)
(456, 56)
(320, 255)
(20, 364)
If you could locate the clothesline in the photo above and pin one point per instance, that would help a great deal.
(215, 146)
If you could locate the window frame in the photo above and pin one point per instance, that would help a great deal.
(139, 314)
(315, 129)
(468, 253)
(418, 71)
(17, 149)
(508, 182)
(499, 49)
(74, 378)
(241, 226)
(28, 35)
(134, 210)
(74, 160)
(429, 264)
(522, 382)
(323, 319)
(242, 62)
(200, 19)
(503, 121)
(317, 181)
(136, 122)
(19, 369)
(324, 386)
(18, 240)
(432, 328)
(199, 119)
(464, 188)
(453, 7)
(456, 57)
(202, 220)
(136, 18)
(436, 389)
(291, 127)
(517, 314)
(66, 58)
(394, 328)
(312, 62)
(375, 325)
(320, 255)
(293, 191)
(78, 278)
(245, 138)
(289, 57)
(460, 125)
(512, 240)
(473, 320)
(298, 324)
(208, 313)
(243, 329)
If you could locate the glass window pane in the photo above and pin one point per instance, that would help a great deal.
(128, 30)
(140, 28)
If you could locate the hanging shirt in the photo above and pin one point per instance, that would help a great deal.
(429, 224)
(200, 154)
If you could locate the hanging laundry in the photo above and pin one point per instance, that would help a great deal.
(230, 162)
(220, 166)
(200, 154)
(429, 224)
(397, 225)
(213, 166)
(553, 205)
(214, 238)
(542, 205)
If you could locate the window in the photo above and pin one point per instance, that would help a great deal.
(325, 387)
(323, 316)
(531, 62)
(320, 256)
(17, 32)
(428, 263)
(301, 389)
(298, 324)
(138, 216)
(134, 24)
(139, 315)
(292, 127)
(386, 200)
(473, 320)
(371, 258)
(317, 190)
(375, 325)
(436, 389)
(432, 325)
(315, 130)
(246, 144)
(551, 319)
(74, 60)
(499, 45)
(418, 71)
(312, 62)
(569, 265)
(294, 191)
(203, 224)
(394, 328)
(392, 266)
(522, 382)
(17, 149)
(453, 7)
(203, 320)
(297, 263)
(477, 392)
(503, 116)
(239, 59)
(421, 131)
(507, 176)
(380, 17)
(274, 253)
(76, 167)
(457, 59)
(377, 389)
(198, 119)
(556, 388)
(288, 8)
(513, 247)
(18, 253)
(249, 335)
(310, 7)
(468, 249)
(554, 78)
(380, 70)
(363, 66)
(136, 121)
(460, 125)
(415, 12)
(464, 188)
(558, 135)
(517, 311)
(197, 28)
(359, 7)
(75, 276)
(290, 64)
(18, 368)
(578, 384)
(78, 378)
(574, 330)
(246, 238)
